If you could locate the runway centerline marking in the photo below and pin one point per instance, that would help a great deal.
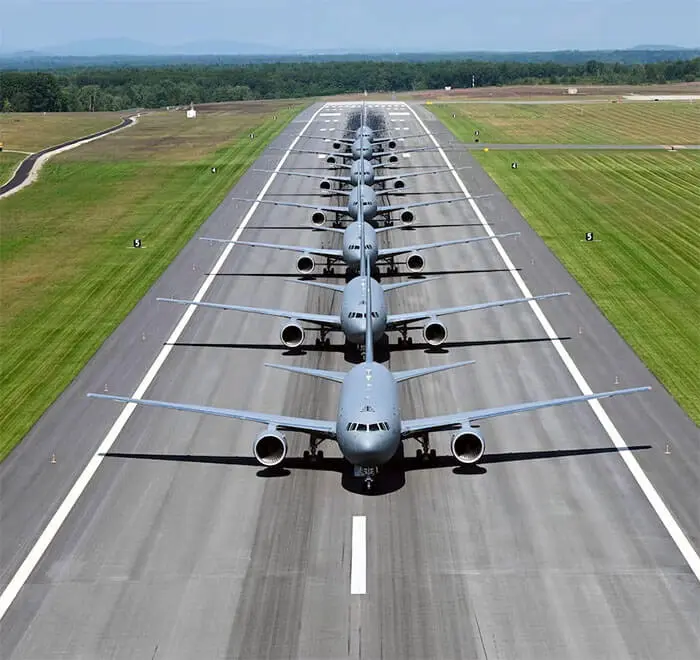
(358, 559)
(662, 511)
(35, 554)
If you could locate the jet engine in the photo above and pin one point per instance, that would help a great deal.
(415, 262)
(292, 334)
(393, 158)
(305, 264)
(318, 218)
(467, 446)
(434, 332)
(338, 145)
(325, 184)
(392, 144)
(398, 184)
(270, 448)
(407, 216)
(330, 160)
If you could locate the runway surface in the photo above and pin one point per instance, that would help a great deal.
(181, 547)
(26, 167)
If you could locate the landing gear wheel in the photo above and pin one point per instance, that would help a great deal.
(306, 455)
(409, 340)
(327, 341)
(433, 454)
(419, 453)
(319, 454)
(318, 341)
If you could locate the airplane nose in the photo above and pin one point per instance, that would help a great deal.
(369, 451)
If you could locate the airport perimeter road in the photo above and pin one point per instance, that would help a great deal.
(181, 547)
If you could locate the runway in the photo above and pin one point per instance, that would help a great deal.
(181, 547)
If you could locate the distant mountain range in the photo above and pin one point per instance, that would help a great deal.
(134, 48)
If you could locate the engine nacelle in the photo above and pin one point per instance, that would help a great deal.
(407, 217)
(434, 333)
(325, 184)
(292, 334)
(331, 160)
(305, 264)
(318, 218)
(392, 144)
(398, 184)
(415, 262)
(393, 158)
(338, 145)
(270, 448)
(467, 446)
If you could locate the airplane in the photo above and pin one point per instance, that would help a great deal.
(362, 171)
(353, 314)
(350, 253)
(368, 198)
(368, 427)
(360, 149)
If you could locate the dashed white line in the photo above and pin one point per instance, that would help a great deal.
(29, 564)
(358, 560)
(665, 516)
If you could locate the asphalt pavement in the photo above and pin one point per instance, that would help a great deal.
(181, 546)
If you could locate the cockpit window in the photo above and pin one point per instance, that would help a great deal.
(374, 427)
(362, 427)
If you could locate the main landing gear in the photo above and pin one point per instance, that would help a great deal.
(425, 453)
(313, 453)
(404, 339)
(323, 339)
(328, 268)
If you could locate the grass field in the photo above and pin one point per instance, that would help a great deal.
(66, 273)
(644, 274)
(8, 164)
(595, 123)
(30, 131)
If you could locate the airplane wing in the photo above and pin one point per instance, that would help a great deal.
(299, 205)
(413, 205)
(410, 317)
(456, 420)
(321, 252)
(335, 376)
(340, 179)
(339, 154)
(319, 319)
(282, 422)
(440, 170)
(393, 252)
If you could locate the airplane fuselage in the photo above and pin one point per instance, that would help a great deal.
(351, 245)
(353, 311)
(368, 429)
(367, 197)
(361, 173)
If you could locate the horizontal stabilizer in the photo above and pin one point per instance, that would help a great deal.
(321, 285)
(401, 285)
(400, 376)
(335, 376)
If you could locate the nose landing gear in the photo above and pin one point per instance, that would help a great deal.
(368, 474)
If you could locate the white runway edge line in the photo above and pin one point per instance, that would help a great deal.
(358, 559)
(662, 511)
(44, 540)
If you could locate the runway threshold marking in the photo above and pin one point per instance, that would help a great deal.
(35, 554)
(358, 560)
(662, 511)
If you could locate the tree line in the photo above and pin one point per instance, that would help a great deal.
(120, 88)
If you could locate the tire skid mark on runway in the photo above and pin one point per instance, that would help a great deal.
(39, 548)
(664, 514)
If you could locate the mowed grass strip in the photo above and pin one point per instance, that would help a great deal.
(574, 123)
(67, 274)
(8, 164)
(644, 274)
(33, 131)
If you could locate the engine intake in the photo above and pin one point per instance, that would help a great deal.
(467, 446)
(270, 448)
(407, 216)
(392, 144)
(434, 333)
(398, 184)
(338, 145)
(393, 158)
(292, 335)
(305, 264)
(330, 160)
(415, 262)
(318, 218)
(325, 184)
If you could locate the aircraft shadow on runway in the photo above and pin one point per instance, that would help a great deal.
(352, 355)
(393, 474)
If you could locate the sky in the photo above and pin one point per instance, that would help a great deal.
(383, 25)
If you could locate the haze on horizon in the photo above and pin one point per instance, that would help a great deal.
(324, 25)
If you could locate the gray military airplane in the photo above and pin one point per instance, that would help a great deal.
(350, 253)
(354, 316)
(368, 427)
(361, 196)
(362, 171)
